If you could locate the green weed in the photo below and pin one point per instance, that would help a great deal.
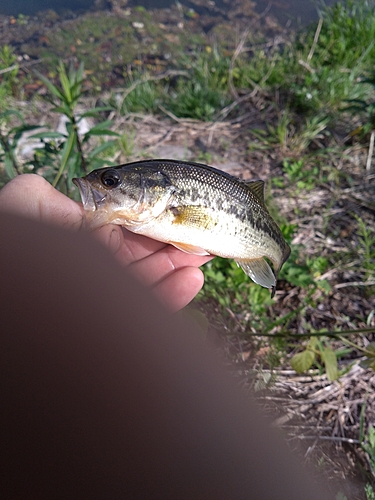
(193, 99)
(8, 75)
(316, 352)
(318, 69)
(205, 91)
(369, 491)
(126, 144)
(365, 108)
(145, 96)
(295, 270)
(366, 238)
(10, 136)
(204, 157)
(68, 149)
(291, 137)
(344, 47)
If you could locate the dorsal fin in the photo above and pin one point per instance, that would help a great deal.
(257, 188)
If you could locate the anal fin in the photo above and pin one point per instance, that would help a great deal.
(185, 247)
(259, 271)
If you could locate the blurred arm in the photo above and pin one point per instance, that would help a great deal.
(104, 395)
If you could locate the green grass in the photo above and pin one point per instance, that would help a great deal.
(8, 80)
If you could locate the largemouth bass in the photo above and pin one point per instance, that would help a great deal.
(197, 208)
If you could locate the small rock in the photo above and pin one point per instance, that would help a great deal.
(83, 126)
(27, 145)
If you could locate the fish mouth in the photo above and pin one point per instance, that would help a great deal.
(91, 197)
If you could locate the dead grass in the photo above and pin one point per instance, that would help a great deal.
(322, 420)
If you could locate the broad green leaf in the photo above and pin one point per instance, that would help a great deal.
(76, 76)
(51, 87)
(313, 343)
(101, 125)
(80, 71)
(20, 130)
(302, 361)
(48, 135)
(75, 167)
(65, 83)
(10, 112)
(101, 148)
(76, 90)
(63, 109)
(330, 362)
(67, 151)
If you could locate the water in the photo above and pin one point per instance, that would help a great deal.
(27, 7)
(303, 10)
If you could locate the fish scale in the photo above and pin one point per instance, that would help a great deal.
(197, 208)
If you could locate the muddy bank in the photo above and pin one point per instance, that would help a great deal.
(117, 41)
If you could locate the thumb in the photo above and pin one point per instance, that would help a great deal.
(31, 196)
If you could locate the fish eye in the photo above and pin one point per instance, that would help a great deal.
(110, 178)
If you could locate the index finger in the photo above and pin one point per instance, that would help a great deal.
(127, 246)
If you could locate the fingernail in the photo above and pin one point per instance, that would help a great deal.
(114, 240)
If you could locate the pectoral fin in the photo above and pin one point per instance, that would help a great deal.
(185, 247)
(193, 216)
(259, 271)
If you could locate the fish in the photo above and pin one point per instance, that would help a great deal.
(197, 208)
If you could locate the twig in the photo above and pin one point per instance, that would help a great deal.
(306, 65)
(10, 68)
(196, 124)
(331, 438)
(224, 113)
(354, 331)
(164, 138)
(237, 52)
(15, 66)
(170, 114)
(315, 41)
(355, 283)
(370, 152)
(239, 49)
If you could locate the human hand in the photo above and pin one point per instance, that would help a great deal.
(174, 276)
